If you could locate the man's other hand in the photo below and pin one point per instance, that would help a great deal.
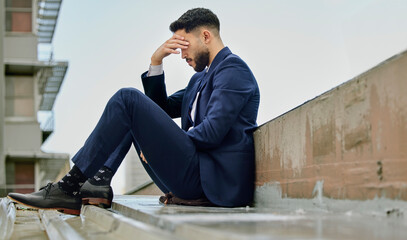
(167, 48)
(143, 158)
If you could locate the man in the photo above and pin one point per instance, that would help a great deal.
(209, 161)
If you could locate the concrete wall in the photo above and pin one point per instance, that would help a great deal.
(150, 189)
(2, 99)
(22, 136)
(352, 140)
(20, 46)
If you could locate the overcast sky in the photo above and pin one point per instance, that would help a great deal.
(296, 49)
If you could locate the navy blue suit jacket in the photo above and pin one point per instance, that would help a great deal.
(225, 119)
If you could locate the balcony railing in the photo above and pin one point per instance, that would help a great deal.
(47, 123)
(48, 11)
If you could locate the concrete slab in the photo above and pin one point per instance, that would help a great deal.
(260, 223)
(148, 209)
(56, 226)
(99, 224)
(7, 218)
(122, 227)
(28, 225)
(144, 217)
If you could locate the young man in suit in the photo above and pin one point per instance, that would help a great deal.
(208, 161)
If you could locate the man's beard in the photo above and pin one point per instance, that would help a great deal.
(201, 60)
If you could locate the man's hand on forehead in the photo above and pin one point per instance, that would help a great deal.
(180, 42)
(169, 47)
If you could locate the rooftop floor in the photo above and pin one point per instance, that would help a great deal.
(146, 218)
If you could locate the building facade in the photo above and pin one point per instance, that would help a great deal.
(2, 99)
(29, 87)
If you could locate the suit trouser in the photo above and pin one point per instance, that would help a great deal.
(130, 117)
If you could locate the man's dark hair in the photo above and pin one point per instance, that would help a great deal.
(195, 18)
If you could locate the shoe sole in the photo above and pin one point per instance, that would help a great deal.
(100, 202)
(63, 210)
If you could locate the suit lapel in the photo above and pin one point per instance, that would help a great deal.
(187, 121)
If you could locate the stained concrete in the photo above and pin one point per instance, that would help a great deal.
(353, 138)
(290, 222)
(269, 196)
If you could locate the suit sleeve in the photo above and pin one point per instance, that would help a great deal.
(233, 85)
(154, 88)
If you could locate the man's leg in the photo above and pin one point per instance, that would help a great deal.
(98, 187)
(170, 153)
(152, 175)
(97, 190)
(115, 159)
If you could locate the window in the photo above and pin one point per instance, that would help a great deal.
(19, 15)
(19, 96)
(20, 176)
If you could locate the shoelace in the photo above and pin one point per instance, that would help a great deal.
(47, 189)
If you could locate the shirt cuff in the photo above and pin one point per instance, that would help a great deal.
(155, 70)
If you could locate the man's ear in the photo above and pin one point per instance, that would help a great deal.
(207, 35)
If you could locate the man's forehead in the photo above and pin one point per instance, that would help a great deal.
(181, 32)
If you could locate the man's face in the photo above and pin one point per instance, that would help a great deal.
(197, 53)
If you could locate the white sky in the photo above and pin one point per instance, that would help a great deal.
(296, 49)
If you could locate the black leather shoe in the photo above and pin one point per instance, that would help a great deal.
(49, 197)
(101, 196)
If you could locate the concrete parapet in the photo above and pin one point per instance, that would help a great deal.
(352, 139)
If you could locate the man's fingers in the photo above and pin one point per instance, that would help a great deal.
(177, 41)
(176, 36)
(171, 46)
(175, 45)
(143, 158)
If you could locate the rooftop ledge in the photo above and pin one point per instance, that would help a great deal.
(145, 218)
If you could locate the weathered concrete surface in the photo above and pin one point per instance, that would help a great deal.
(151, 189)
(261, 222)
(353, 138)
(122, 227)
(19, 222)
(28, 225)
(143, 217)
(147, 188)
(7, 218)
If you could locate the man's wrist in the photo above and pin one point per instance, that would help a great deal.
(155, 62)
(155, 70)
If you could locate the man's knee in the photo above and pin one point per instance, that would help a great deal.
(128, 97)
(126, 93)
